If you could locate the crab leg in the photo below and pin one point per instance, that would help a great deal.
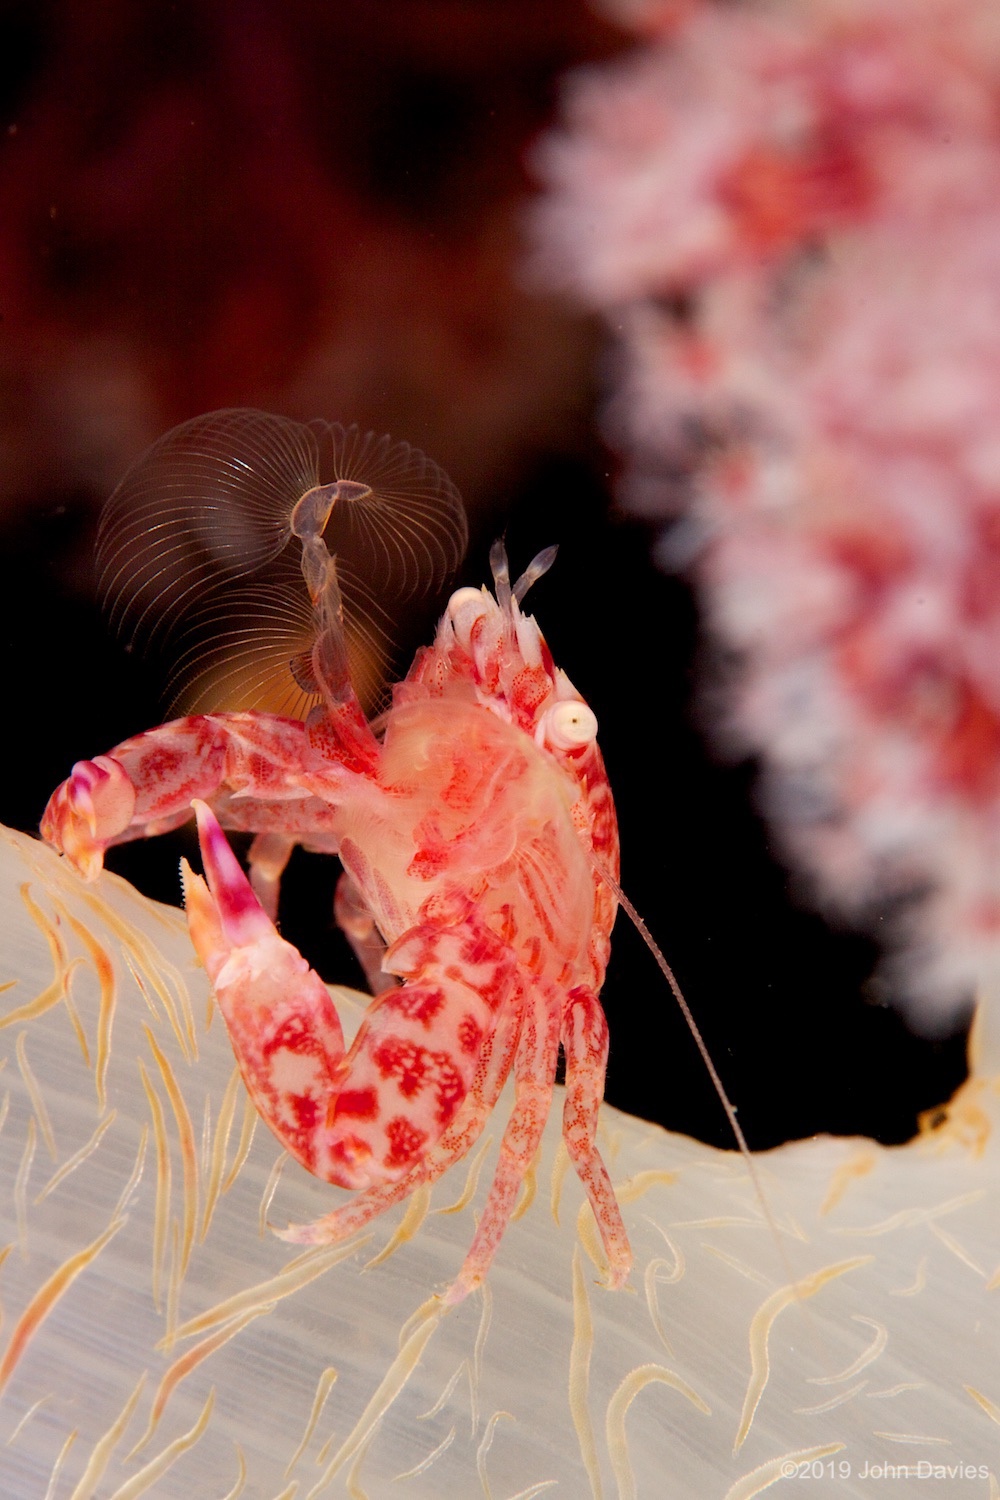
(585, 1039)
(268, 859)
(368, 1115)
(585, 1043)
(534, 1071)
(354, 918)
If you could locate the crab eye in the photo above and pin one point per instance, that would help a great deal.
(465, 607)
(461, 599)
(568, 725)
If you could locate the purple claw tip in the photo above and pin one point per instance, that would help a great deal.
(241, 914)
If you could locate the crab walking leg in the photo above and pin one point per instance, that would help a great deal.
(368, 1116)
(268, 859)
(459, 1139)
(585, 1044)
(534, 1071)
(356, 922)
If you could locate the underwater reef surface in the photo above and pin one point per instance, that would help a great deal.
(156, 1336)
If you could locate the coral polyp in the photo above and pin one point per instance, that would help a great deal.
(793, 224)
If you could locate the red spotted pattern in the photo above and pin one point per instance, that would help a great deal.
(420, 1004)
(470, 1036)
(407, 1064)
(406, 1142)
(363, 1104)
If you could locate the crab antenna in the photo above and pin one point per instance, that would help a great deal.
(538, 565)
(706, 1056)
(500, 568)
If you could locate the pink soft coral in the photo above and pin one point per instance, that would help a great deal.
(792, 215)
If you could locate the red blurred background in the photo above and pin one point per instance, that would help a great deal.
(319, 209)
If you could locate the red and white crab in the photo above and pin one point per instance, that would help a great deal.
(473, 827)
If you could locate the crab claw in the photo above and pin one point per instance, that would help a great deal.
(223, 915)
(282, 1023)
(88, 811)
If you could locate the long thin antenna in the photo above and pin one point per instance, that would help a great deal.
(706, 1056)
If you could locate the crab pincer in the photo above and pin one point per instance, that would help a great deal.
(88, 810)
(362, 1116)
(284, 1027)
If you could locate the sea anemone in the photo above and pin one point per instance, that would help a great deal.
(158, 1338)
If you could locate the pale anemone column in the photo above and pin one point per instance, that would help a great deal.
(158, 1339)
